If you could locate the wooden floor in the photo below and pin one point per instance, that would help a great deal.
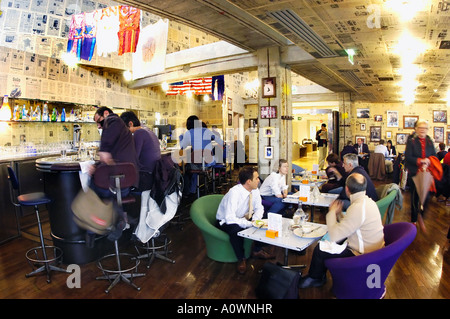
(422, 272)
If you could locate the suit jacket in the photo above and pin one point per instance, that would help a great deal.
(365, 148)
(413, 152)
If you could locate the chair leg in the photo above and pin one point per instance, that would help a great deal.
(154, 252)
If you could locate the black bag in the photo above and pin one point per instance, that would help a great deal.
(277, 283)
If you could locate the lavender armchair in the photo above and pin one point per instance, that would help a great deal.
(363, 277)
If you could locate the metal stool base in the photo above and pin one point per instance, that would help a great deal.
(154, 251)
(37, 257)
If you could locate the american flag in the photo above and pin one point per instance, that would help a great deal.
(196, 86)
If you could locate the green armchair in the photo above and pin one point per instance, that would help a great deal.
(203, 214)
(384, 203)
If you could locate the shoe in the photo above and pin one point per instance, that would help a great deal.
(261, 254)
(308, 282)
(242, 266)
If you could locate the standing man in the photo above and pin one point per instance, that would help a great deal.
(322, 144)
(362, 150)
(361, 226)
(419, 148)
(238, 208)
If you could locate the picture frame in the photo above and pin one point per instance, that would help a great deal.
(268, 152)
(229, 104)
(401, 138)
(389, 134)
(392, 119)
(438, 134)
(378, 118)
(230, 119)
(269, 87)
(440, 116)
(268, 112)
(362, 113)
(409, 121)
(363, 138)
(269, 132)
(375, 133)
(362, 127)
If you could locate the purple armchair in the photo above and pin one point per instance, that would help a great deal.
(363, 277)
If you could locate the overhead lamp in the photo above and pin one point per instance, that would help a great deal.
(406, 9)
(69, 59)
(165, 86)
(351, 53)
(206, 98)
(127, 75)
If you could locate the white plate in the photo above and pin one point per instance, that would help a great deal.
(314, 234)
(266, 221)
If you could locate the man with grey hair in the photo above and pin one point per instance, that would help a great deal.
(350, 164)
(361, 227)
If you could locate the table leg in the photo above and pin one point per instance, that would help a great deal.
(312, 213)
(286, 262)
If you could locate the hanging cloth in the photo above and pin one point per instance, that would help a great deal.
(76, 33)
(129, 19)
(89, 35)
(107, 31)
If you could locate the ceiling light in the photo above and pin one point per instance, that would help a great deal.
(406, 9)
(69, 59)
(127, 75)
(165, 86)
(206, 98)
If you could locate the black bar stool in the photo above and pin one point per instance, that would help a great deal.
(115, 178)
(43, 257)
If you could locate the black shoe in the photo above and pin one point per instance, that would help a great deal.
(308, 282)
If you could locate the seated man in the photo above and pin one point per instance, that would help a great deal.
(351, 166)
(361, 238)
(382, 149)
(238, 208)
(362, 149)
(274, 188)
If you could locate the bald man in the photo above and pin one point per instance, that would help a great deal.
(361, 226)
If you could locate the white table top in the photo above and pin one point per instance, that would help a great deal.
(288, 240)
(324, 200)
(313, 183)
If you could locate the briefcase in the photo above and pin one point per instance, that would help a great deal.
(277, 282)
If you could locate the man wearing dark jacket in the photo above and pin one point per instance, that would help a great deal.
(351, 166)
(362, 149)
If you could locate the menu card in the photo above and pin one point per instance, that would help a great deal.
(304, 192)
(315, 169)
(275, 222)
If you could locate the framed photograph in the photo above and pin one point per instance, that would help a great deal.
(269, 87)
(362, 127)
(392, 119)
(409, 121)
(388, 134)
(268, 132)
(230, 119)
(402, 138)
(268, 112)
(375, 133)
(440, 116)
(268, 152)
(363, 139)
(438, 134)
(378, 118)
(253, 125)
(229, 104)
(363, 113)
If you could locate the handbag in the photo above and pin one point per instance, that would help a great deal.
(277, 282)
(92, 213)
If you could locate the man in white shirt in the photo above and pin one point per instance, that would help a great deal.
(382, 149)
(239, 207)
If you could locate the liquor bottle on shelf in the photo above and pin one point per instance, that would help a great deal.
(63, 115)
(54, 115)
(5, 111)
(16, 113)
(38, 113)
(24, 113)
(45, 116)
(72, 116)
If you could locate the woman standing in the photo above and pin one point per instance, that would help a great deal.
(274, 187)
(419, 148)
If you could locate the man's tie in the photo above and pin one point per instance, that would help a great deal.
(250, 207)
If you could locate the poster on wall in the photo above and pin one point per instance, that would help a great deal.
(150, 55)
(392, 119)
(362, 113)
(268, 112)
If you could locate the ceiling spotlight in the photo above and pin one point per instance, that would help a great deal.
(127, 75)
(165, 86)
(206, 98)
(69, 59)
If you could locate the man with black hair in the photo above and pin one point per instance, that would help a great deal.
(322, 144)
(361, 227)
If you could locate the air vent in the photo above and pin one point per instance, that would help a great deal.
(291, 21)
(351, 77)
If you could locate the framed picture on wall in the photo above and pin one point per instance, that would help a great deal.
(409, 121)
(363, 113)
(268, 132)
(268, 152)
(392, 119)
(375, 133)
(269, 87)
(229, 104)
(388, 134)
(440, 116)
(363, 139)
(378, 118)
(402, 138)
(230, 119)
(268, 112)
(438, 134)
(362, 127)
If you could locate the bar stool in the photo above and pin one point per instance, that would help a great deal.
(115, 178)
(156, 247)
(205, 171)
(43, 257)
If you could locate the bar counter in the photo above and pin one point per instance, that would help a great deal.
(62, 184)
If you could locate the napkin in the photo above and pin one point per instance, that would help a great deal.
(331, 247)
(85, 178)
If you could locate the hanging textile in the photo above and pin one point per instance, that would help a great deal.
(129, 19)
(89, 35)
(107, 31)
(76, 33)
(198, 86)
(218, 87)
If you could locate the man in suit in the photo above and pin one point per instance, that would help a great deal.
(363, 154)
